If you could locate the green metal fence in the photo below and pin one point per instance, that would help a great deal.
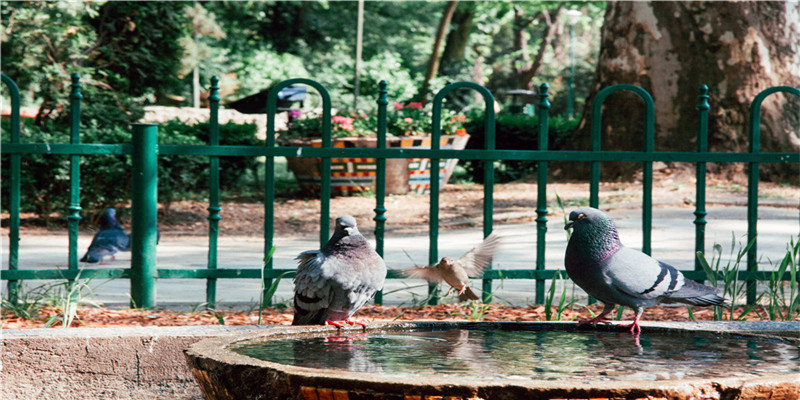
(145, 151)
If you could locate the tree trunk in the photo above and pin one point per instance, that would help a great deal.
(671, 48)
(453, 56)
(433, 64)
(529, 69)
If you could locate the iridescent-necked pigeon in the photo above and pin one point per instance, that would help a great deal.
(456, 272)
(334, 282)
(597, 261)
(110, 239)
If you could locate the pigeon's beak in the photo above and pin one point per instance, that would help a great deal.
(569, 225)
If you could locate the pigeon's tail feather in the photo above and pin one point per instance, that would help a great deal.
(695, 294)
(468, 295)
(305, 316)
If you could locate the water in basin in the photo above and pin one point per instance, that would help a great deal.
(547, 354)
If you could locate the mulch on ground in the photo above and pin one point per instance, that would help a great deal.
(103, 317)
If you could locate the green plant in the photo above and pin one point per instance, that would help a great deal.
(732, 288)
(265, 296)
(474, 310)
(784, 304)
(563, 304)
(411, 119)
(25, 303)
(67, 297)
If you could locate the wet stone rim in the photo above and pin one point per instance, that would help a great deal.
(220, 372)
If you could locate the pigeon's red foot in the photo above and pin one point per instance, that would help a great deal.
(340, 324)
(634, 327)
(600, 319)
(356, 322)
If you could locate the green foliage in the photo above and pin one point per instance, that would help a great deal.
(732, 287)
(139, 42)
(514, 132)
(106, 179)
(783, 298)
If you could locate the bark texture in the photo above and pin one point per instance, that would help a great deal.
(738, 49)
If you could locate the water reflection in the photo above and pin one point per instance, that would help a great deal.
(492, 354)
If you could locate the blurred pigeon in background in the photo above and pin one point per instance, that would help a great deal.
(334, 282)
(110, 239)
(597, 261)
(456, 272)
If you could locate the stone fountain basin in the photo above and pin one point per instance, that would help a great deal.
(224, 374)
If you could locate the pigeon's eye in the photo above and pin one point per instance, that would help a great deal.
(581, 216)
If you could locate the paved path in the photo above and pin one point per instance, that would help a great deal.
(673, 242)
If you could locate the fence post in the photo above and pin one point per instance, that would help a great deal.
(144, 227)
(213, 193)
(541, 186)
(380, 178)
(14, 187)
(74, 208)
(700, 189)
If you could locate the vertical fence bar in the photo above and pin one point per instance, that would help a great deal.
(14, 187)
(700, 171)
(433, 231)
(594, 173)
(488, 183)
(269, 171)
(213, 193)
(145, 218)
(752, 184)
(541, 186)
(752, 198)
(74, 208)
(647, 174)
(380, 178)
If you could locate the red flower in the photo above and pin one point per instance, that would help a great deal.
(416, 105)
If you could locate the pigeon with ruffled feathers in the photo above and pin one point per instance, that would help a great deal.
(597, 261)
(334, 282)
(456, 271)
(110, 239)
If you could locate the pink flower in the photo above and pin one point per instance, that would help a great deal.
(408, 120)
(416, 105)
(397, 106)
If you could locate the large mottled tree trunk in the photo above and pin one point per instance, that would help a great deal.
(671, 48)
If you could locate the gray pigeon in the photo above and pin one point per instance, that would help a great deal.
(334, 282)
(456, 272)
(110, 239)
(597, 261)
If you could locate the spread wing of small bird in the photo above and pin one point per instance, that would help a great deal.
(334, 282)
(456, 272)
(110, 239)
(597, 261)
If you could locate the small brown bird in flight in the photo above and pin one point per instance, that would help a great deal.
(456, 272)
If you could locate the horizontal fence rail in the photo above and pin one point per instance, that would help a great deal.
(144, 152)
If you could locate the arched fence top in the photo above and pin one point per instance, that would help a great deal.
(488, 99)
(15, 108)
(649, 113)
(272, 106)
(755, 113)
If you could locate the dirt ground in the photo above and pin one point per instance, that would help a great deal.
(460, 206)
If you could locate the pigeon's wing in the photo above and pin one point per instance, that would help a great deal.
(106, 242)
(476, 260)
(429, 273)
(312, 294)
(638, 275)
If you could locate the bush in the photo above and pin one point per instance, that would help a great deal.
(514, 132)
